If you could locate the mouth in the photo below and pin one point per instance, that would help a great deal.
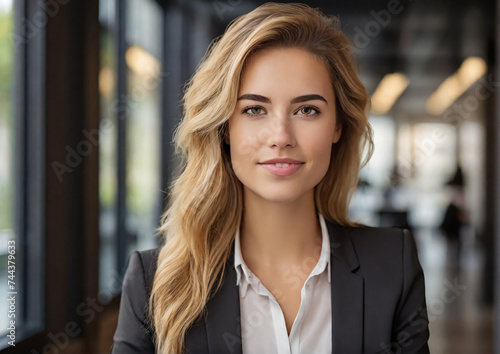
(281, 162)
(281, 169)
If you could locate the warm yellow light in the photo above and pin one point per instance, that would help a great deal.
(106, 81)
(455, 85)
(471, 69)
(142, 62)
(388, 91)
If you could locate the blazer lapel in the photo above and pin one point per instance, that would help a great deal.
(223, 326)
(223, 315)
(347, 293)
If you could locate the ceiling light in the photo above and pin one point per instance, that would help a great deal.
(142, 62)
(387, 92)
(455, 85)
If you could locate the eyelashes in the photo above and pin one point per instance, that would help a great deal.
(308, 110)
(253, 111)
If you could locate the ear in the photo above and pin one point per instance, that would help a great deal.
(226, 136)
(337, 133)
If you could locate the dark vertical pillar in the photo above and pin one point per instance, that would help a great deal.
(121, 119)
(490, 229)
(29, 120)
(63, 203)
(493, 175)
(173, 50)
(71, 124)
(90, 49)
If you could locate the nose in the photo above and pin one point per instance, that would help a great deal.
(281, 131)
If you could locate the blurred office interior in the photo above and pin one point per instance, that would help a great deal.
(90, 94)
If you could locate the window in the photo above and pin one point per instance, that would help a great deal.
(108, 187)
(143, 114)
(21, 172)
(149, 49)
(130, 82)
(7, 234)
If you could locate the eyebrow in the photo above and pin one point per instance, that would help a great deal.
(260, 98)
(308, 98)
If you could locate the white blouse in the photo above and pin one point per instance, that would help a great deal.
(263, 327)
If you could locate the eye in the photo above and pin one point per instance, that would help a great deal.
(253, 111)
(308, 111)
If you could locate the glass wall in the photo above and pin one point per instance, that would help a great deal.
(144, 38)
(108, 187)
(6, 153)
(130, 82)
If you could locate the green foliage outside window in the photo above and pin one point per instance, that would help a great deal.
(6, 121)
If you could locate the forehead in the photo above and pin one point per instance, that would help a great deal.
(289, 69)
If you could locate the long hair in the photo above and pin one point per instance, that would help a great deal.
(206, 199)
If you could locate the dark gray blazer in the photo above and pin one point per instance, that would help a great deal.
(378, 299)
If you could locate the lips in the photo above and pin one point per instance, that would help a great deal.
(281, 166)
(280, 160)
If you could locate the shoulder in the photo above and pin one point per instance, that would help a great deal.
(138, 281)
(387, 256)
(379, 238)
(138, 278)
(143, 264)
(394, 287)
(134, 332)
(382, 249)
(147, 260)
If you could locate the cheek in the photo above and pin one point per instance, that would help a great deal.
(320, 135)
(244, 143)
(248, 138)
(324, 153)
(321, 149)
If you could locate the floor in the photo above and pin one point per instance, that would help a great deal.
(459, 322)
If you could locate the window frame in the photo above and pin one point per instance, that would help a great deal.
(29, 160)
(56, 221)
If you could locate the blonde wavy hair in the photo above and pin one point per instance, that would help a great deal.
(206, 199)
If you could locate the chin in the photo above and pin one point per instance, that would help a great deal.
(280, 197)
(281, 200)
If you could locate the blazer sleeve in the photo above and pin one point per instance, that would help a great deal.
(411, 322)
(133, 333)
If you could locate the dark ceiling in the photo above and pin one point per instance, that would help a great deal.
(427, 40)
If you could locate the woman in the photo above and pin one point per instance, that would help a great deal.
(260, 256)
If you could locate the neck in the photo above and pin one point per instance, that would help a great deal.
(279, 234)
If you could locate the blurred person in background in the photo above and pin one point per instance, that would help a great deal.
(454, 219)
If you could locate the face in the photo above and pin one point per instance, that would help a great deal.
(282, 130)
